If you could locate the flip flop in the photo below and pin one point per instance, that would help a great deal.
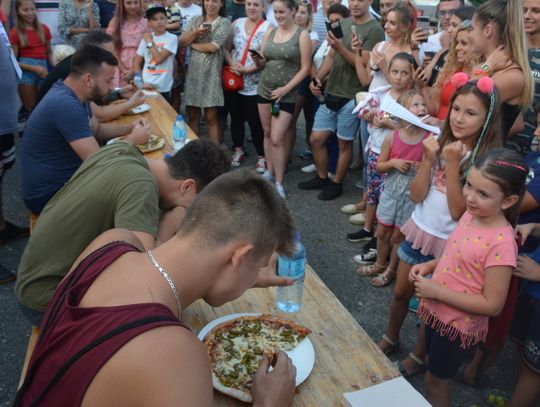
(383, 279)
(418, 362)
(370, 270)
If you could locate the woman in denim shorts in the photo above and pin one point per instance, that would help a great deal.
(31, 43)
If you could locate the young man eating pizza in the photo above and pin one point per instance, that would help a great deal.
(118, 302)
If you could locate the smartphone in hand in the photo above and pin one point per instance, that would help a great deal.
(207, 26)
(335, 28)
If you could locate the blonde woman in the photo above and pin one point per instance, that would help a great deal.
(304, 100)
(497, 29)
(459, 59)
(242, 105)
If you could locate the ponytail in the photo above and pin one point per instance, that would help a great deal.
(514, 41)
(508, 16)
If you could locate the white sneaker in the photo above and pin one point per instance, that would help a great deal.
(349, 209)
(280, 190)
(308, 169)
(357, 219)
(237, 158)
(261, 166)
(266, 174)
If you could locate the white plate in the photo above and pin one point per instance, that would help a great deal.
(139, 109)
(303, 356)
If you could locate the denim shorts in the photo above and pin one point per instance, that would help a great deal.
(30, 78)
(343, 122)
(411, 256)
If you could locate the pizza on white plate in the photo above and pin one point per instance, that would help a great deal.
(236, 348)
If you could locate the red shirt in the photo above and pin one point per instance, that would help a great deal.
(35, 48)
(3, 18)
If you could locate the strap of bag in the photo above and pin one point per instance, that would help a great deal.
(244, 57)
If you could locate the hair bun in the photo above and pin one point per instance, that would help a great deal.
(459, 79)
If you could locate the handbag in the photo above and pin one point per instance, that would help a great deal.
(231, 81)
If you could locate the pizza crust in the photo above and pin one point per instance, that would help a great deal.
(216, 352)
(229, 391)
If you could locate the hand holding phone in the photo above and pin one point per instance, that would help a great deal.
(207, 26)
(335, 28)
(255, 53)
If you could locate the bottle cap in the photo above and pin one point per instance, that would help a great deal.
(179, 117)
(167, 155)
(296, 236)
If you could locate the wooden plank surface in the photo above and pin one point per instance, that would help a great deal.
(346, 359)
(162, 117)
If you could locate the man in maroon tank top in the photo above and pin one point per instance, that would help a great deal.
(111, 333)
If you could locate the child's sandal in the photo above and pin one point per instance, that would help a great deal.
(371, 270)
(384, 278)
(392, 345)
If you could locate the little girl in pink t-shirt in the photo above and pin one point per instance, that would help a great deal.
(471, 279)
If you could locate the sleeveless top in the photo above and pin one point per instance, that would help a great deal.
(445, 99)
(407, 151)
(76, 342)
(509, 114)
(282, 63)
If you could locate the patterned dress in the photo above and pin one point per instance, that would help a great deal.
(203, 80)
(72, 16)
(131, 33)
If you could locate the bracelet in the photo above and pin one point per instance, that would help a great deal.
(480, 72)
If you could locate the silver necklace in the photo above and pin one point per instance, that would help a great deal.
(168, 279)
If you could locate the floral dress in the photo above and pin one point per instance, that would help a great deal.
(72, 16)
(131, 33)
(203, 81)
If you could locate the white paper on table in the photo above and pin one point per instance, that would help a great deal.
(392, 393)
(395, 109)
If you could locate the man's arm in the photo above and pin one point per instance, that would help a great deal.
(84, 147)
(110, 112)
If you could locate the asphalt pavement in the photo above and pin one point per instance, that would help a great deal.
(323, 228)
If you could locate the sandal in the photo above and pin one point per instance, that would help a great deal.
(371, 270)
(394, 345)
(420, 364)
(384, 278)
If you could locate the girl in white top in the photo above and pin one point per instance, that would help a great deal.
(472, 127)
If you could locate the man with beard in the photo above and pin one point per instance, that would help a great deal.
(61, 132)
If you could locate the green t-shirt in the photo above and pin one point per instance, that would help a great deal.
(114, 188)
(342, 80)
(235, 10)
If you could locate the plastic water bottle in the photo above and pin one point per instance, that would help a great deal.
(289, 299)
(138, 81)
(179, 133)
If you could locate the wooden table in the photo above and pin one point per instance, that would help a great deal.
(162, 116)
(346, 359)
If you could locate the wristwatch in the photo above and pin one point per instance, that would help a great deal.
(149, 44)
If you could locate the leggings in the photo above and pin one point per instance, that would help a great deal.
(243, 108)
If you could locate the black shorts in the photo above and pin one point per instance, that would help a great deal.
(286, 107)
(444, 356)
(525, 330)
